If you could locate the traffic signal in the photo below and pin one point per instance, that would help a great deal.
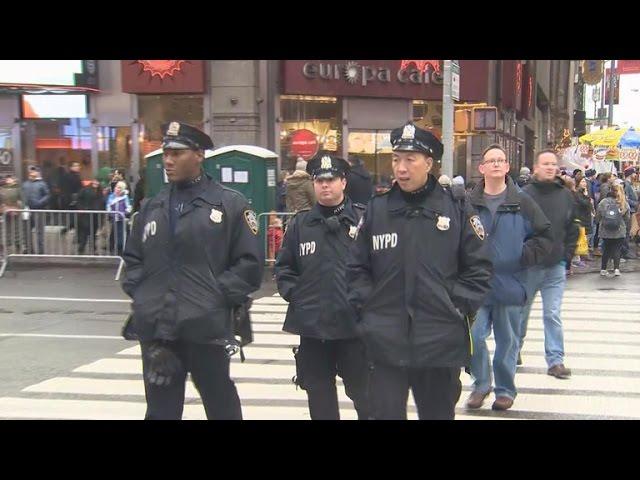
(579, 123)
(484, 119)
(462, 121)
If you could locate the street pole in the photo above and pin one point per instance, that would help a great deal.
(612, 77)
(447, 122)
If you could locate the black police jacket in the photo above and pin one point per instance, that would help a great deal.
(414, 274)
(184, 285)
(310, 271)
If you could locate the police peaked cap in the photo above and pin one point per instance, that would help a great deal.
(181, 136)
(327, 166)
(410, 138)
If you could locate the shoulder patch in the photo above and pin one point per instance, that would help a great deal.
(476, 224)
(252, 221)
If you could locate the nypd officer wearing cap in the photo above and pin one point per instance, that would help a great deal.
(419, 268)
(310, 271)
(192, 257)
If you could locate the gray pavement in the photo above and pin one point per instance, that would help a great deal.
(66, 359)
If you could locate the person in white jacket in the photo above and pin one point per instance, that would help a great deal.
(120, 203)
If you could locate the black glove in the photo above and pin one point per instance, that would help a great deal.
(164, 365)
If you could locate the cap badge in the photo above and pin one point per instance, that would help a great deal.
(216, 216)
(353, 230)
(409, 132)
(325, 163)
(174, 128)
(443, 223)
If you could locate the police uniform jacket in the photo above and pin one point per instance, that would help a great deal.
(310, 271)
(184, 285)
(413, 283)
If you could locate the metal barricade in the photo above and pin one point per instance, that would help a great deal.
(88, 234)
(273, 228)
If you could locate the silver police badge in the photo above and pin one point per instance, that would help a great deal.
(443, 223)
(216, 216)
(409, 132)
(173, 129)
(252, 222)
(477, 226)
(325, 163)
(353, 230)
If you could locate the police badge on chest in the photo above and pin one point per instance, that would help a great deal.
(443, 223)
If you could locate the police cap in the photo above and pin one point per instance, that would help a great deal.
(327, 166)
(410, 138)
(181, 136)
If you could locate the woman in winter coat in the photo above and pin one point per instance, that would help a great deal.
(118, 201)
(614, 205)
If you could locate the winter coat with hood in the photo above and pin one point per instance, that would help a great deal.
(584, 210)
(559, 206)
(300, 193)
(519, 236)
(359, 185)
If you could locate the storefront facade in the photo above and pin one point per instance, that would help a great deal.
(352, 107)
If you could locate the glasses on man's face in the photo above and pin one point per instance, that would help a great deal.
(497, 161)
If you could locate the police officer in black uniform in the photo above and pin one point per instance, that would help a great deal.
(419, 269)
(310, 270)
(192, 257)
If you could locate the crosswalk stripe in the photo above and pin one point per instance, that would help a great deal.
(602, 346)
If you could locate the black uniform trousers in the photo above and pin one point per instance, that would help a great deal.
(318, 362)
(209, 368)
(435, 391)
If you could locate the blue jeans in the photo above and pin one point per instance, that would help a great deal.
(550, 282)
(506, 321)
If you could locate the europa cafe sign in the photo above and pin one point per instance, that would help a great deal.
(416, 72)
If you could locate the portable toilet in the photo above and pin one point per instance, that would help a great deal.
(248, 169)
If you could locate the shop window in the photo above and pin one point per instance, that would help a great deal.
(154, 110)
(309, 125)
(55, 144)
(374, 148)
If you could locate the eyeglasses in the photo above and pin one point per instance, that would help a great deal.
(497, 161)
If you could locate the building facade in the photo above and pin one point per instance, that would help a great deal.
(293, 107)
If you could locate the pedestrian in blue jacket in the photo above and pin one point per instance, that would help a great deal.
(519, 237)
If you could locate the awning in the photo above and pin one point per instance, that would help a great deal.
(19, 88)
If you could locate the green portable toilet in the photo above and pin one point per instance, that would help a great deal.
(248, 169)
(154, 173)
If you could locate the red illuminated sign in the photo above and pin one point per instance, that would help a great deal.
(163, 76)
(421, 65)
(304, 143)
(161, 68)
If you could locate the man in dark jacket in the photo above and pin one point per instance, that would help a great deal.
(71, 187)
(36, 197)
(549, 278)
(310, 271)
(419, 268)
(520, 237)
(359, 183)
(193, 256)
(89, 224)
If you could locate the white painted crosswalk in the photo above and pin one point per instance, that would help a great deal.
(602, 344)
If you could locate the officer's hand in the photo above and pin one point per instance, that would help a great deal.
(164, 365)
